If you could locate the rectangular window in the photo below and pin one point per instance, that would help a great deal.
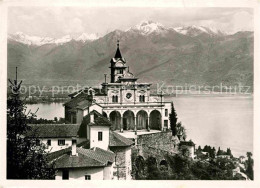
(65, 174)
(61, 142)
(165, 123)
(166, 112)
(100, 136)
(87, 177)
(38, 142)
(120, 71)
(49, 142)
(74, 119)
(74, 141)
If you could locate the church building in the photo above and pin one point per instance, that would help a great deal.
(128, 104)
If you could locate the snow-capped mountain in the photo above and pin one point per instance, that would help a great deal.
(87, 37)
(144, 28)
(39, 41)
(148, 27)
(30, 40)
(197, 30)
(183, 59)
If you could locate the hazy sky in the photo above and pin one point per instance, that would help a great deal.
(59, 21)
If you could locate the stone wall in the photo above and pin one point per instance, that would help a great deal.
(120, 163)
(157, 145)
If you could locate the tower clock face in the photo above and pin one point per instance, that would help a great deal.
(128, 95)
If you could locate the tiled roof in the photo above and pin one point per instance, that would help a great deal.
(84, 104)
(99, 120)
(98, 91)
(99, 154)
(68, 161)
(81, 99)
(56, 154)
(95, 157)
(76, 93)
(186, 143)
(73, 103)
(116, 139)
(53, 130)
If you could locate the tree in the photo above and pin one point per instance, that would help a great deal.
(199, 149)
(181, 167)
(249, 155)
(55, 119)
(220, 152)
(152, 169)
(173, 120)
(213, 153)
(139, 168)
(25, 160)
(249, 165)
(181, 131)
(229, 152)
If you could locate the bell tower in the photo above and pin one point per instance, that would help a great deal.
(117, 66)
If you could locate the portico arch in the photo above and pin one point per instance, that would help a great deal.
(163, 165)
(104, 114)
(115, 118)
(140, 164)
(155, 120)
(142, 120)
(128, 120)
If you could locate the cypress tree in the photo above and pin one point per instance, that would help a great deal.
(173, 120)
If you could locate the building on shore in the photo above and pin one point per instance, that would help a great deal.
(128, 104)
(109, 120)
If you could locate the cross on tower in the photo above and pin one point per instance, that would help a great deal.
(118, 43)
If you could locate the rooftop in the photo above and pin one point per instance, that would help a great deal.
(117, 140)
(94, 157)
(187, 143)
(99, 120)
(53, 130)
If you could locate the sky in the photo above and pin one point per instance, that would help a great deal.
(60, 21)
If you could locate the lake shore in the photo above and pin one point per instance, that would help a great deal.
(219, 121)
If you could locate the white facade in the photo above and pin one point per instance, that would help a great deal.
(54, 143)
(91, 108)
(97, 173)
(96, 108)
(94, 141)
(80, 113)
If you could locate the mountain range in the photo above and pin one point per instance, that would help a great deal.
(188, 55)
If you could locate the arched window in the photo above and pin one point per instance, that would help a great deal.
(114, 98)
(120, 71)
(142, 98)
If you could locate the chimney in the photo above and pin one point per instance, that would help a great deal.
(91, 118)
(74, 148)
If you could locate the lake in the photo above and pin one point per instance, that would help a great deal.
(218, 121)
(214, 121)
(47, 110)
